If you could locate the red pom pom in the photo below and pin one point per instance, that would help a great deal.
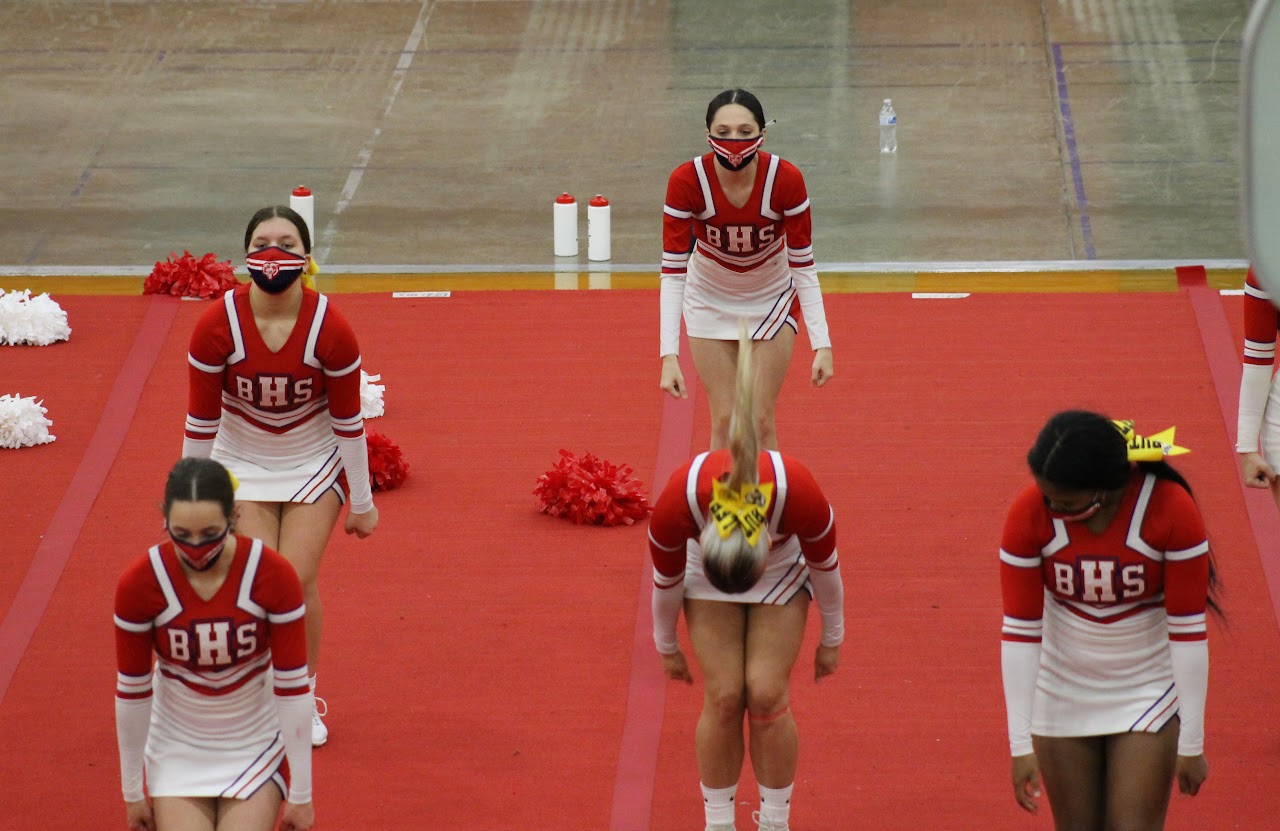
(186, 276)
(591, 491)
(387, 467)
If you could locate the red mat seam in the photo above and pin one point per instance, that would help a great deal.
(1224, 368)
(646, 695)
(24, 615)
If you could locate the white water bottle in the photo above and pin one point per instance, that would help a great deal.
(565, 226)
(888, 128)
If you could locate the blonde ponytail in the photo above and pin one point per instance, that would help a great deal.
(732, 563)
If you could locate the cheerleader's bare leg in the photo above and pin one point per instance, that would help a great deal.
(774, 636)
(1140, 771)
(304, 532)
(257, 813)
(179, 813)
(717, 365)
(772, 360)
(718, 633)
(1073, 771)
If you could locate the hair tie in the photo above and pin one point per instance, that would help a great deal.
(1148, 448)
(746, 508)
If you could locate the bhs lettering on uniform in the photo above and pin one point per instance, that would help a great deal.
(1096, 580)
(207, 643)
(271, 391)
(741, 239)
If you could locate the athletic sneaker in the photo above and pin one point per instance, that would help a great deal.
(319, 733)
(768, 825)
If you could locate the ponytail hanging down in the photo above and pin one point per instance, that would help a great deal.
(734, 560)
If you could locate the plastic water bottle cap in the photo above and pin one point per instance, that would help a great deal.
(599, 201)
(888, 101)
(302, 190)
(565, 199)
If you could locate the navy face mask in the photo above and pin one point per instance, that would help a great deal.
(273, 269)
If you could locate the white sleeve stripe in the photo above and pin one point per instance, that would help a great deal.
(338, 373)
(831, 521)
(1020, 562)
(800, 253)
(675, 256)
(1254, 291)
(129, 626)
(827, 564)
(678, 214)
(194, 422)
(1262, 354)
(1261, 344)
(209, 368)
(657, 544)
(287, 617)
(1188, 553)
(798, 209)
(1186, 620)
(662, 581)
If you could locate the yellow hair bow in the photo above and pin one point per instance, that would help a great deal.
(308, 276)
(1148, 448)
(747, 507)
(235, 483)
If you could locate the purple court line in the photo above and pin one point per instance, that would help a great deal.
(647, 692)
(1224, 367)
(24, 615)
(1069, 132)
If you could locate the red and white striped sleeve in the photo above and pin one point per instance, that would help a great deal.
(809, 516)
(1179, 528)
(671, 526)
(1022, 587)
(138, 600)
(684, 198)
(1260, 323)
(339, 354)
(210, 345)
(792, 200)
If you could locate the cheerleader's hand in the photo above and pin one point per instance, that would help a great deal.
(825, 661)
(823, 369)
(1257, 473)
(362, 525)
(675, 667)
(1191, 771)
(1026, 782)
(138, 815)
(672, 379)
(298, 817)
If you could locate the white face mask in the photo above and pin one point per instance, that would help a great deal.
(1079, 516)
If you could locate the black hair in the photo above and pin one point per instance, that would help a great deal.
(196, 480)
(1084, 451)
(284, 212)
(736, 96)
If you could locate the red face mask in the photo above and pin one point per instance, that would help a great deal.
(201, 555)
(735, 153)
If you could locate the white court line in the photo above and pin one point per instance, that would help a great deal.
(366, 151)
(1000, 266)
(939, 295)
(398, 295)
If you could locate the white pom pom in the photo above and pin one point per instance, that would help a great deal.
(24, 319)
(22, 422)
(371, 405)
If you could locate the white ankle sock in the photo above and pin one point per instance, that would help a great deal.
(719, 804)
(775, 804)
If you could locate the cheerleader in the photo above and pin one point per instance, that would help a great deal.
(736, 244)
(766, 541)
(227, 702)
(275, 397)
(1106, 576)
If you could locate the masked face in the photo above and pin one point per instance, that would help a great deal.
(1075, 513)
(202, 554)
(274, 269)
(735, 153)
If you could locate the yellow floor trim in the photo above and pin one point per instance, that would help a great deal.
(1095, 281)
